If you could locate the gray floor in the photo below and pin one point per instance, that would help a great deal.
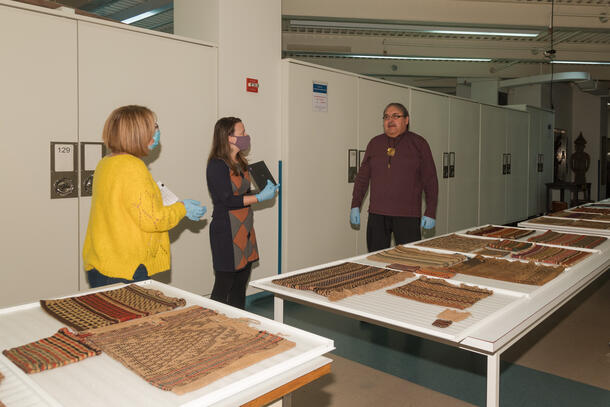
(565, 361)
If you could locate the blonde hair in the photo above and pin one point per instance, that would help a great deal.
(129, 129)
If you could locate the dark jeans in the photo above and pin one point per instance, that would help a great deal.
(97, 279)
(379, 229)
(230, 287)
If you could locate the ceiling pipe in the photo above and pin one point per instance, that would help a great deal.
(557, 77)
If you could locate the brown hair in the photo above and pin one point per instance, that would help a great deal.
(129, 129)
(221, 148)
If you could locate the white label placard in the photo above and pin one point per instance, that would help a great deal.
(93, 155)
(320, 97)
(64, 157)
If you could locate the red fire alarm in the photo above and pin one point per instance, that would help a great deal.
(252, 85)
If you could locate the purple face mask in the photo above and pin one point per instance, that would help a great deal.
(242, 142)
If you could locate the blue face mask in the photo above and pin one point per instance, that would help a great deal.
(156, 138)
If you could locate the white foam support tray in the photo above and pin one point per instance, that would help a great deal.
(102, 381)
(495, 320)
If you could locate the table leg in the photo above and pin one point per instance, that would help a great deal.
(493, 380)
(278, 309)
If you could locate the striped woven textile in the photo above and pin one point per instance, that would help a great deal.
(568, 239)
(590, 224)
(547, 220)
(58, 350)
(506, 270)
(491, 252)
(586, 209)
(410, 256)
(456, 242)
(440, 272)
(577, 215)
(186, 349)
(110, 307)
(500, 232)
(440, 292)
(343, 280)
(552, 255)
(510, 245)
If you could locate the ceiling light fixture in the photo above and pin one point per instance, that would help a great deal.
(502, 32)
(581, 62)
(416, 58)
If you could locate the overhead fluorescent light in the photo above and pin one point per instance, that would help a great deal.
(140, 17)
(502, 32)
(581, 62)
(417, 58)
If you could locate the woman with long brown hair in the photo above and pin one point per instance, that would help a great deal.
(232, 236)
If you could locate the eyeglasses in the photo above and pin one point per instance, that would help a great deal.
(392, 116)
(156, 126)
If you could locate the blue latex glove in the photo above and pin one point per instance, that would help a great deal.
(194, 209)
(354, 216)
(427, 223)
(268, 192)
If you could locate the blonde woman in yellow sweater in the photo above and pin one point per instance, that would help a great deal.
(127, 237)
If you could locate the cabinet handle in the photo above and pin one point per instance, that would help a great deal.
(452, 164)
(510, 155)
(445, 165)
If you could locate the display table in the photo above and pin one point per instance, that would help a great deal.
(497, 322)
(103, 381)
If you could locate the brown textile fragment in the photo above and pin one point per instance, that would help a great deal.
(456, 242)
(440, 292)
(453, 315)
(568, 239)
(501, 232)
(491, 252)
(343, 280)
(187, 349)
(440, 272)
(410, 256)
(442, 323)
(505, 270)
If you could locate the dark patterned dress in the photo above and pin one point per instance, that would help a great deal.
(232, 235)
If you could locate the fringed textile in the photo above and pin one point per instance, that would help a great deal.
(568, 239)
(510, 245)
(61, 349)
(506, 270)
(456, 242)
(184, 350)
(410, 256)
(552, 255)
(110, 307)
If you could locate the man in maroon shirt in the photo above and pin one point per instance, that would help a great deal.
(399, 166)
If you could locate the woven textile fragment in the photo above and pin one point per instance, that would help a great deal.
(491, 252)
(591, 224)
(552, 255)
(510, 245)
(601, 211)
(440, 272)
(574, 215)
(506, 270)
(184, 350)
(410, 256)
(58, 350)
(453, 315)
(343, 280)
(110, 307)
(568, 239)
(442, 323)
(403, 267)
(440, 292)
(546, 220)
(501, 232)
(456, 242)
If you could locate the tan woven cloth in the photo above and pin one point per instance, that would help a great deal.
(440, 292)
(504, 270)
(187, 349)
(344, 280)
(453, 315)
(410, 256)
(456, 242)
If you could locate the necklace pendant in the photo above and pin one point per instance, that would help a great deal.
(388, 165)
(391, 151)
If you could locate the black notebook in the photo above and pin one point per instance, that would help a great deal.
(261, 174)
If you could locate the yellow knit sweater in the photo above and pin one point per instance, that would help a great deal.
(128, 223)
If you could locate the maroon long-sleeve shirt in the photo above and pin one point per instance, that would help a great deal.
(397, 191)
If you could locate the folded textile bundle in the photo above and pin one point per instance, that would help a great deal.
(456, 242)
(184, 350)
(410, 256)
(500, 232)
(343, 280)
(552, 255)
(506, 270)
(62, 348)
(110, 307)
(440, 292)
(510, 245)
(568, 239)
